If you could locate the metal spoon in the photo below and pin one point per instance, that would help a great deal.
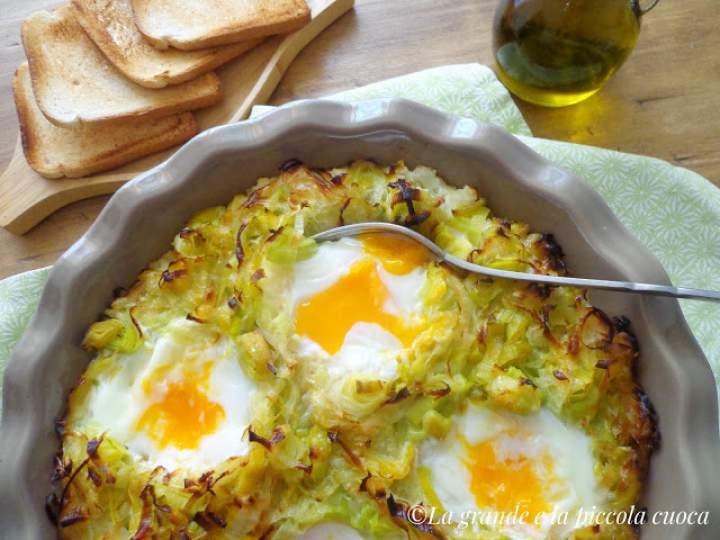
(443, 256)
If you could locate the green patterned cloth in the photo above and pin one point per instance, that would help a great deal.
(673, 211)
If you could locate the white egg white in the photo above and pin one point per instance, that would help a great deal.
(331, 261)
(368, 350)
(330, 531)
(339, 531)
(573, 487)
(118, 402)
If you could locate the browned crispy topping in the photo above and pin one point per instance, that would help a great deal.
(440, 392)
(554, 253)
(136, 324)
(94, 476)
(73, 517)
(278, 434)
(164, 508)
(61, 469)
(147, 495)
(52, 508)
(649, 412)
(267, 533)
(573, 346)
(342, 211)
(208, 519)
(482, 334)
(171, 275)
(257, 275)
(274, 233)
(541, 290)
(596, 330)
(417, 219)
(407, 194)
(119, 292)
(318, 177)
(92, 447)
(363, 483)
(254, 437)
(239, 251)
(621, 324)
(603, 364)
(334, 436)
(290, 164)
(372, 486)
(403, 393)
(188, 233)
(412, 516)
(254, 198)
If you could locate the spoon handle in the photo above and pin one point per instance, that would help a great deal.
(621, 286)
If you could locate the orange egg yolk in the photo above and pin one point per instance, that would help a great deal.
(360, 295)
(506, 483)
(399, 255)
(184, 414)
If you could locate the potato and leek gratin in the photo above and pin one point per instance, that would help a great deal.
(254, 384)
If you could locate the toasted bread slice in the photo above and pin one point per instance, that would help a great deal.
(75, 84)
(194, 24)
(55, 152)
(110, 24)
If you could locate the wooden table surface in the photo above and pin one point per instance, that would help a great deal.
(665, 101)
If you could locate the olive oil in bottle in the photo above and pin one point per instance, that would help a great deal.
(560, 52)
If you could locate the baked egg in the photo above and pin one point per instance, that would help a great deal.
(357, 305)
(180, 402)
(513, 473)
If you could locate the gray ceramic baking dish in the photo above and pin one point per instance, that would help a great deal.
(139, 222)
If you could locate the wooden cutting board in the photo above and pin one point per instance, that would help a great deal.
(26, 198)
